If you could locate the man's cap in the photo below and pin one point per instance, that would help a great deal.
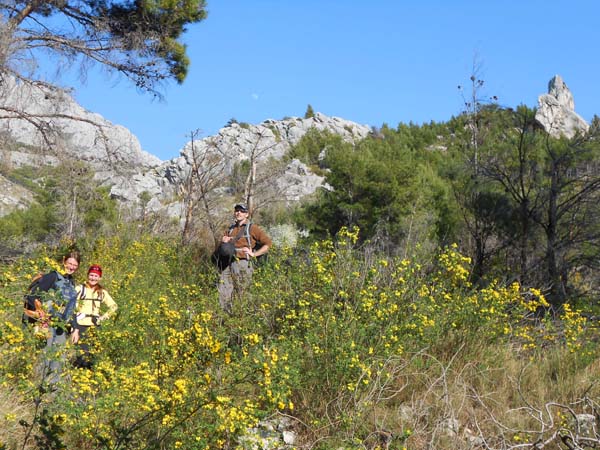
(241, 207)
(95, 269)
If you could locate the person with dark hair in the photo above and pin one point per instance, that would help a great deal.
(94, 306)
(56, 292)
(249, 242)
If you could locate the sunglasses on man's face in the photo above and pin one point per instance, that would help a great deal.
(240, 210)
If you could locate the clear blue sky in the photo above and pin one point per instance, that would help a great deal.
(383, 61)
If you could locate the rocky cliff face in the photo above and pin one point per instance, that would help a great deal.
(47, 125)
(233, 145)
(54, 127)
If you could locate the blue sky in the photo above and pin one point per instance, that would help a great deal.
(384, 61)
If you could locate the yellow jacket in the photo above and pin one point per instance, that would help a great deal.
(93, 306)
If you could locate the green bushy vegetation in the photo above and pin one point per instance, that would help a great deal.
(67, 203)
(520, 203)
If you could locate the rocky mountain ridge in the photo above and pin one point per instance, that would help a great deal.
(234, 144)
(53, 121)
(52, 128)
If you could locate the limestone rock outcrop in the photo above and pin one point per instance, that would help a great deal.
(54, 128)
(556, 111)
(269, 140)
(50, 119)
(42, 125)
(218, 156)
(13, 196)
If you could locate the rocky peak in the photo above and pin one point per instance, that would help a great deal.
(558, 89)
(233, 144)
(556, 111)
(49, 125)
(269, 139)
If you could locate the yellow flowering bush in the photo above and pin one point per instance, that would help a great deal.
(320, 335)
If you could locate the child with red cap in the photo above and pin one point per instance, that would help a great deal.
(94, 305)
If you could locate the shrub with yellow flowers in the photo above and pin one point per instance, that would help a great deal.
(321, 335)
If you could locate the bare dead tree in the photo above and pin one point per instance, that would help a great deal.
(187, 188)
(470, 196)
(256, 180)
(257, 151)
(258, 184)
(205, 174)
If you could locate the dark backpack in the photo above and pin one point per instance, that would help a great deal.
(224, 254)
(32, 304)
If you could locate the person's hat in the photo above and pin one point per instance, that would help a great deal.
(95, 269)
(241, 207)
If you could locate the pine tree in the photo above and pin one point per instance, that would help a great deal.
(309, 112)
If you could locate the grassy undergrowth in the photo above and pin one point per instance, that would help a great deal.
(359, 351)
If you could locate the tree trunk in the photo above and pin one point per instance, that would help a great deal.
(73, 213)
(250, 184)
(523, 254)
(557, 289)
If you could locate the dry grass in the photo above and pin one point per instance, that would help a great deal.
(12, 410)
(476, 398)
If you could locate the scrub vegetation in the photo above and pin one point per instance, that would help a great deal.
(444, 295)
(359, 350)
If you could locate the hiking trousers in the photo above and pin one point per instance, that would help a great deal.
(83, 358)
(233, 282)
(54, 355)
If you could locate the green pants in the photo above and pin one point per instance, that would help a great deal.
(233, 282)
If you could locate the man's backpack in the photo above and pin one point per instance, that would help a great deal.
(224, 254)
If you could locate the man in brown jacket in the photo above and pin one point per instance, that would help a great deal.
(237, 276)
